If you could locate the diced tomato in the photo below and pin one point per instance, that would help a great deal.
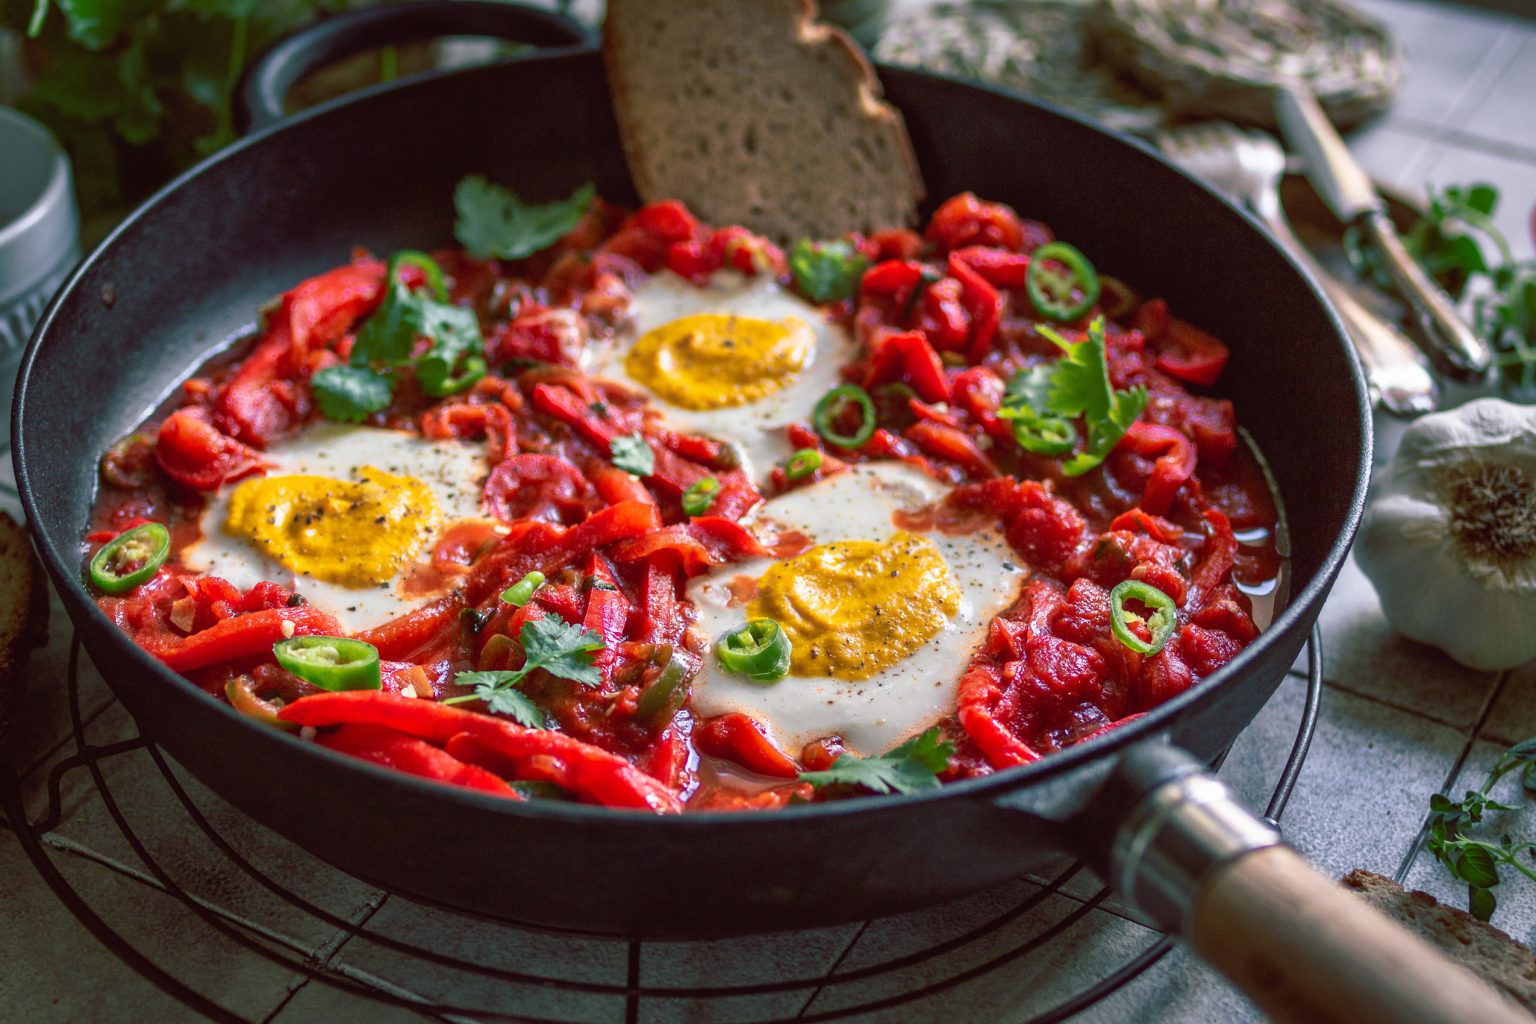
(965, 220)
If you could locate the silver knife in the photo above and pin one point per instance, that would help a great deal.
(1443, 334)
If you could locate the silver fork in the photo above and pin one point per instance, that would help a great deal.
(1247, 166)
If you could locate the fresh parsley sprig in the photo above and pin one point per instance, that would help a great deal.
(909, 768)
(563, 649)
(1473, 859)
(1453, 241)
(493, 223)
(387, 341)
(1042, 400)
(826, 271)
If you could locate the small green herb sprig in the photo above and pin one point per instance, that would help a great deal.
(1472, 858)
(1453, 242)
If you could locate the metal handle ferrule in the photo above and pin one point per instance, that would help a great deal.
(1174, 839)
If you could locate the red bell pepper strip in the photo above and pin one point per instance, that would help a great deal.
(659, 617)
(260, 402)
(401, 637)
(1190, 354)
(997, 267)
(1175, 462)
(564, 404)
(532, 486)
(590, 772)
(1216, 560)
(908, 356)
(242, 636)
(1156, 527)
(980, 691)
(945, 318)
(982, 302)
(607, 611)
(699, 544)
(196, 454)
(737, 737)
(394, 749)
(952, 445)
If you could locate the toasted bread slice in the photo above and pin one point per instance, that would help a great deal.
(1477, 946)
(754, 113)
(23, 609)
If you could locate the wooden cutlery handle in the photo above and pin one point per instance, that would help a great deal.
(1308, 952)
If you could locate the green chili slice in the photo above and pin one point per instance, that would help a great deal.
(802, 464)
(831, 409)
(130, 558)
(700, 495)
(426, 264)
(1043, 435)
(759, 650)
(521, 592)
(331, 662)
(661, 698)
(1161, 623)
(1058, 272)
(242, 695)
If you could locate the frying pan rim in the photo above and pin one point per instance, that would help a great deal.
(995, 787)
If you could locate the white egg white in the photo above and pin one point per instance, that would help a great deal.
(454, 470)
(757, 429)
(871, 715)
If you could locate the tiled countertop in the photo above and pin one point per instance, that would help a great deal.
(1399, 721)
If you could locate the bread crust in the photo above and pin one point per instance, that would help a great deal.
(1481, 948)
(23, 611)
(752, 112)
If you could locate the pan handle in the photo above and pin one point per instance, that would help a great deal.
(1193, 859)
(258, 99)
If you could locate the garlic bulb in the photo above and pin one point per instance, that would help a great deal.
(1449, 535)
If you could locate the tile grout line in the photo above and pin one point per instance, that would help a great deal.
(1417, 845)
(337, 942)
(1425, 716)
(841, 958)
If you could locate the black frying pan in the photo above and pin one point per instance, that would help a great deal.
(187, 271)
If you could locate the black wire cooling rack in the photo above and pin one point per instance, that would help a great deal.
(975, 947)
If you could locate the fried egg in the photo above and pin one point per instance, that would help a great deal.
(344, 517)
(883, 616)
(738, 359)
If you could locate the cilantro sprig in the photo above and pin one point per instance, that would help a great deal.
(388, 340)
(909, 768)
(562, 649)
(494, 223)
(1469, 857)
(1043, 400)
(826, 271)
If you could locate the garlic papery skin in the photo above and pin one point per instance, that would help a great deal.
(1449, 535)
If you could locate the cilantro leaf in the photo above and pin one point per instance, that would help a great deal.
(826, 271)
(1076, 384)
(388, 337)
(348, 394)
(502, 697)
(494, 222)
(909, 768)
(563, 649)
(633, 454)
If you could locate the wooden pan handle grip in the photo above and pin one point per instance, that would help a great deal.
(1308, 952)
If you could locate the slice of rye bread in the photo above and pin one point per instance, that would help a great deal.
(23, 611)
(1477, 946)
(752, 112)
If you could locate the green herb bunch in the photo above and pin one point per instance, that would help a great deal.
(138, 90)
(1475, 859)
(1457, 243)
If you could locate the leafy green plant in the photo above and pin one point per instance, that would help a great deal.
(137, 90)
(1472, 858)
